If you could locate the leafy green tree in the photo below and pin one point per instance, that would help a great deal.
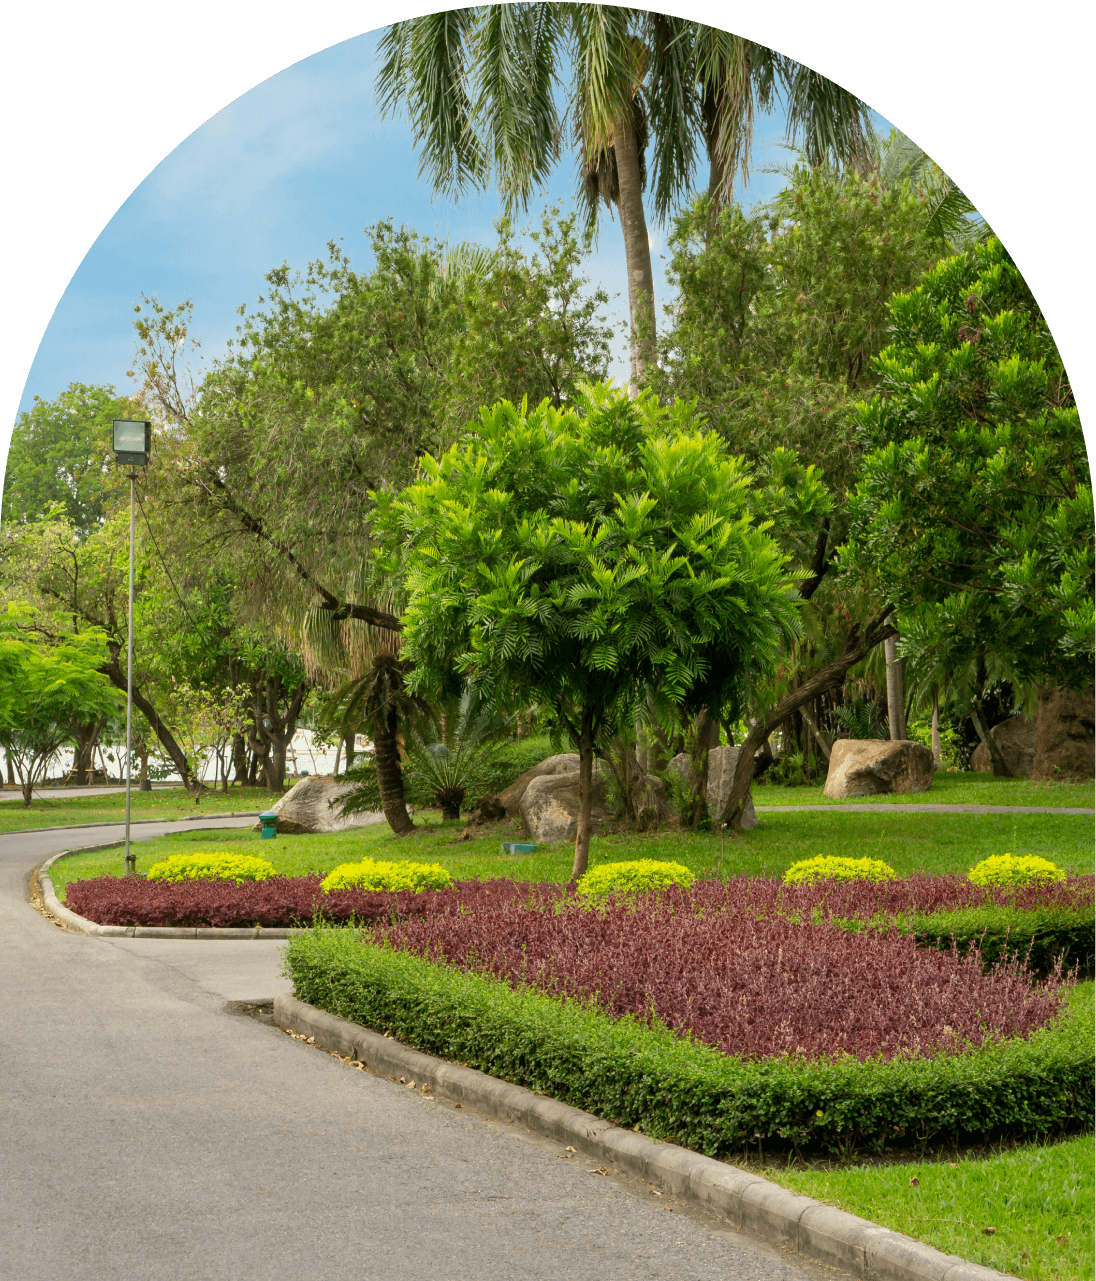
(44, 687)
(973, 511)
(62, 452)
(585, 559)
(481, 87)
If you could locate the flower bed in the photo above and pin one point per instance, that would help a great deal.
(281, 901)
(1050, 921)
(676, 1089)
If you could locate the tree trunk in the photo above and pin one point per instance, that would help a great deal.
(349, 740)
(338, 757)
(937, 756)
(239, 759)
(117, 677)
(637, 251)
(896, 720)
(857, 644)
(1000, 766)
(805, 712)
(585, 794)
(705, 738)
(389, 774)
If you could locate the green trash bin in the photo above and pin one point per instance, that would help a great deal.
(518, 847)
(269, 821)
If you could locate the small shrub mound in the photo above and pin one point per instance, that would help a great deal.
(811, 870)
(371, 874)
(1015, 869)
(640, 876)
(218, 866)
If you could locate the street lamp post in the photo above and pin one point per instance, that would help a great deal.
(132, 445)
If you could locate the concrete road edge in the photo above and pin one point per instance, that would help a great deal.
(762, 1209)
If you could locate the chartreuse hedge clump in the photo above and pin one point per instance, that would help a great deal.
(218, 866)
(1014, 869)
(638, 876)
(374, 874)
(810, 870)
(646, 1077)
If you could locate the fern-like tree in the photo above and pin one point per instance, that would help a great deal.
(482, 86)
(589, 559)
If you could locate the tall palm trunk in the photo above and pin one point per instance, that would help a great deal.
(389, 774)
(895, 693)
(637, 251)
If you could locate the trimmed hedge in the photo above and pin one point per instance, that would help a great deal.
(378, 876)
(640, 876)
(221, 865)
(1044, 935)
(810, 871)
(677, 1090)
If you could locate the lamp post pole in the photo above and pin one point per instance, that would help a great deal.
(130, 869)
(132, 445)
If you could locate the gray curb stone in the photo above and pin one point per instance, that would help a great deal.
(805, 1226)
(81, 923)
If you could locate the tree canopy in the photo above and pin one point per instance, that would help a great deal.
(588, 558)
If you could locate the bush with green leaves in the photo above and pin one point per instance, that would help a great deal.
(217, 866)
(378, 875)
(637, 876)
(809, 870)
(1014, 869)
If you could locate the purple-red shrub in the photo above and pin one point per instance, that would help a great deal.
(754, 987)
(281, 901)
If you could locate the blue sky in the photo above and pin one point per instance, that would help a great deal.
(299, 160)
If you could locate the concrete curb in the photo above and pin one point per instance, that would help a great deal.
(799, 1223)
(81, 923)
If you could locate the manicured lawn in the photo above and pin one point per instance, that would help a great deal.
(1038, 1199)
(939, 844)
(168, 803)
(966, 788)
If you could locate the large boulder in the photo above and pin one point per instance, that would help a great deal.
(866, 767)
(306, 808)
(550, 804)
(722, 763)
(1065, 734)
(1016, 739)
(564, 763)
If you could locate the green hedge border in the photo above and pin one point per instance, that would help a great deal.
(1042, 934)
(677, 1090)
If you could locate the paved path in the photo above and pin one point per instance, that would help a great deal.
(149, 1132)
(887, 807)
(10, 793)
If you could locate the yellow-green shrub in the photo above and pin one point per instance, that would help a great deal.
(218, 866)
(637, 876)
(810, 870)
(373, 874)
(1014, 869)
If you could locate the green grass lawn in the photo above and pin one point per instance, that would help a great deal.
(939, 844)
(168, 803)
(1038, 1199)
(966, 788)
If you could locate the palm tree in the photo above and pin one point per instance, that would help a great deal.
(481, 87)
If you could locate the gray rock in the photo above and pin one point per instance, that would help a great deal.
(306, 808)
(1016, 739)
(722, 763)
(564, 763)
(866, 767)
(550, 804)
(1065, 734)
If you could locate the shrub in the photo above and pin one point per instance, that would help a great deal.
(636, 877)
(219, 866)
(645, 1077)
(759, 988)
(810, 870)
(372, 874)
(1014, 869)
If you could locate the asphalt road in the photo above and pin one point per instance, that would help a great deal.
(150, 1131)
